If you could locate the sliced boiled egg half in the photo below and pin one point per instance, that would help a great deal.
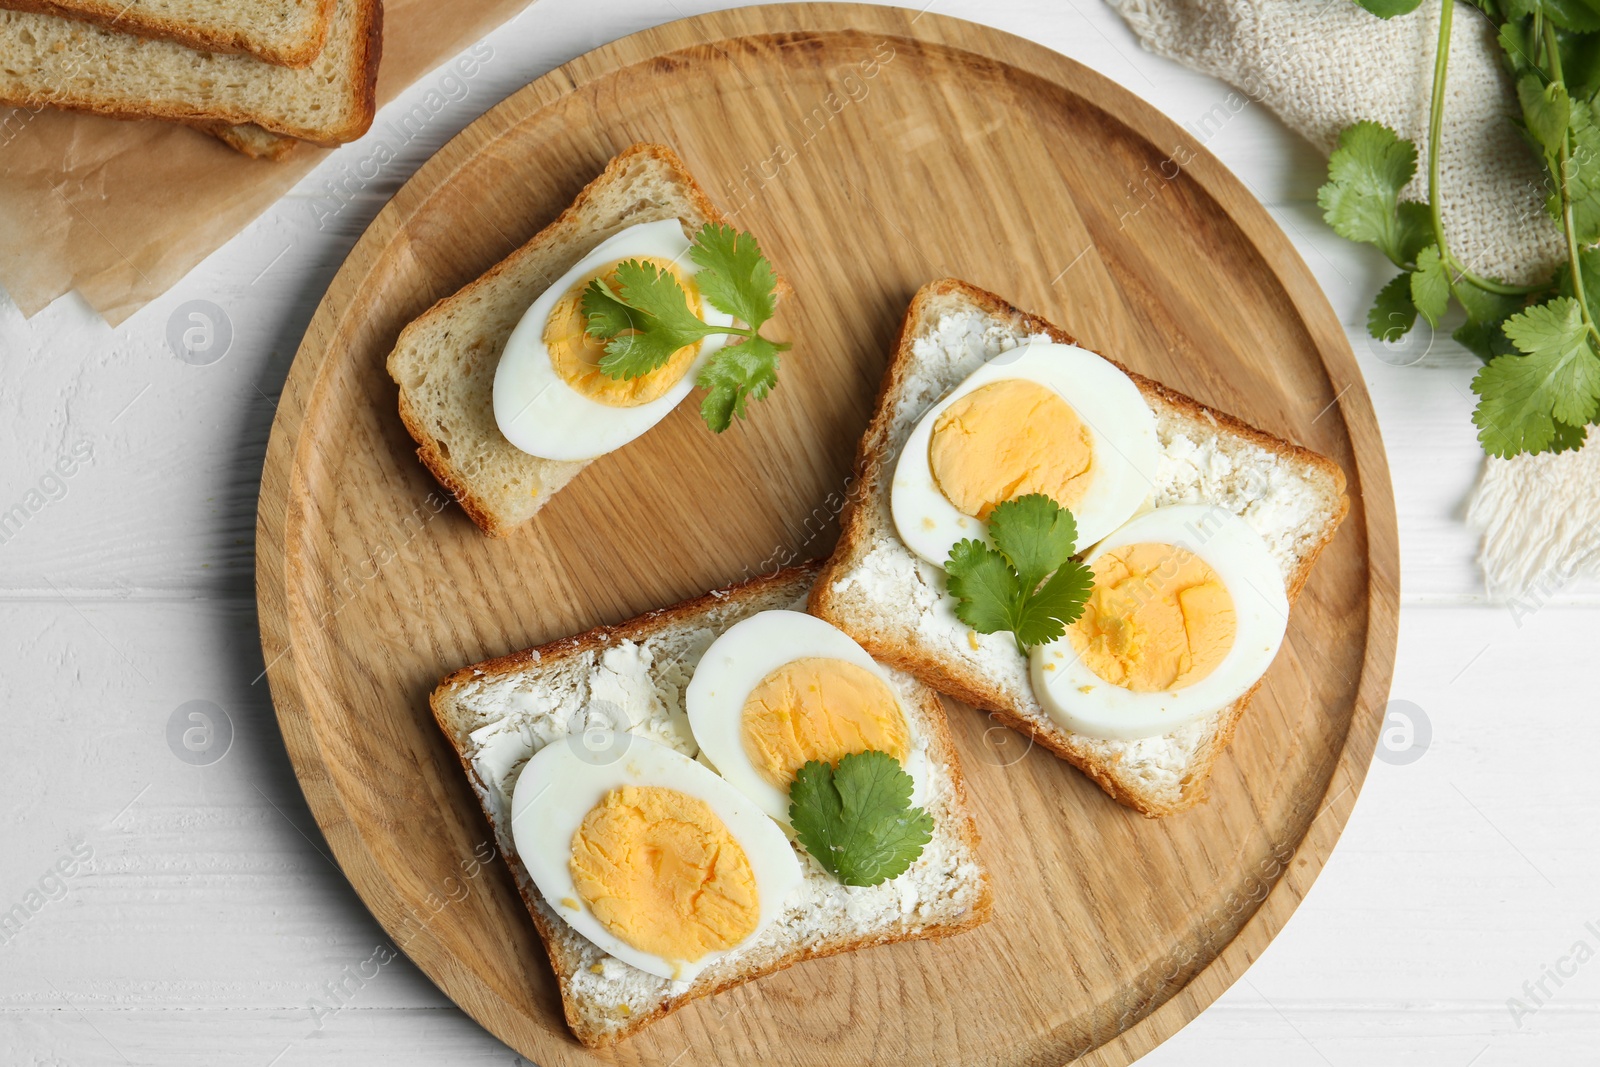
(550, 397)
(782, 688)
(1187, 612)
(650, 855)
(1041, 418)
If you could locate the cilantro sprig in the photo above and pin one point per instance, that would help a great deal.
(1028, 582)
(646, 318)
(856, 819)
(1540, 388)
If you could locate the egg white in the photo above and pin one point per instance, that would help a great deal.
(540, 413)
(1081, 701)
(563, 782)
(737, 662)
(1121, 424)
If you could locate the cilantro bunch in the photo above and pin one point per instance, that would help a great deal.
(856, 819)
(647, 318)
(1540, 388)
(1027, 582)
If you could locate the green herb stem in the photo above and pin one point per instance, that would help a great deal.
(1552, 50)
(1489, 285)
(1441, 61)
(742, 331)
(1568, 226)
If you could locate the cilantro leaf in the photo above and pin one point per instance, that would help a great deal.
(1036, 535)
(1413, 230)
(1483, 339)
(1514, 42)
(1361, 200)
(1582, 172)
(745, 371)
(1543, 398)
(1571, 15)
(1393, 314)
(605, 315)
(1554, 333)
(734, 276)
(1568, 438)
(633, 355)
(1058, 603)
(1546, 110)
(1580, 63)
(985, 587)
(656, 292)
(1430, 286)
(999, 588)
(856, 819)
(662, 320)
(1481, 333)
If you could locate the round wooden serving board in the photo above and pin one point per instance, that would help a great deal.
(872, 150)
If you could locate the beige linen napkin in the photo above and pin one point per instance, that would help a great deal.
(1324, 64)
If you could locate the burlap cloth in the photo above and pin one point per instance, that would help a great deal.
(1324, 64)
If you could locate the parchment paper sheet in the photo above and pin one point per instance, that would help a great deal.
(121, 210)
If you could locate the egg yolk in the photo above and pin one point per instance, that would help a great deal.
(1008, 439)
(818, 708)
(1158, 619)
(576, 355)
(662, 872)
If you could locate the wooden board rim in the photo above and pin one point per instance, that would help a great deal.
(277, 519)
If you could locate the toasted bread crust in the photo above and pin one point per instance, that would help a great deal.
(636, 629)
(128, 18)
(273, 147)
(367, 84)
(551, 928)
(364, 95)
(439, 465)
(968, 685)
(442, 467)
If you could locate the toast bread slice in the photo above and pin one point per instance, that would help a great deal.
(895, 605)
(541, 696)
(288, 33)
(250, 140)
(445, 361)
(65, 63)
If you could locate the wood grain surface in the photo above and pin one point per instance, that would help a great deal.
(871, 149)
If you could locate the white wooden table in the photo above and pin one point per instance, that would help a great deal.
(203, 923)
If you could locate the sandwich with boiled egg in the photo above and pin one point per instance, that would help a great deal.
(710, 793)
(586, 337)
(1100, 562)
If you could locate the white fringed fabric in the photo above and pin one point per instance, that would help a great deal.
(1540, 517)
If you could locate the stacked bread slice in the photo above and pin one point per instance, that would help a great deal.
(259, 75)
